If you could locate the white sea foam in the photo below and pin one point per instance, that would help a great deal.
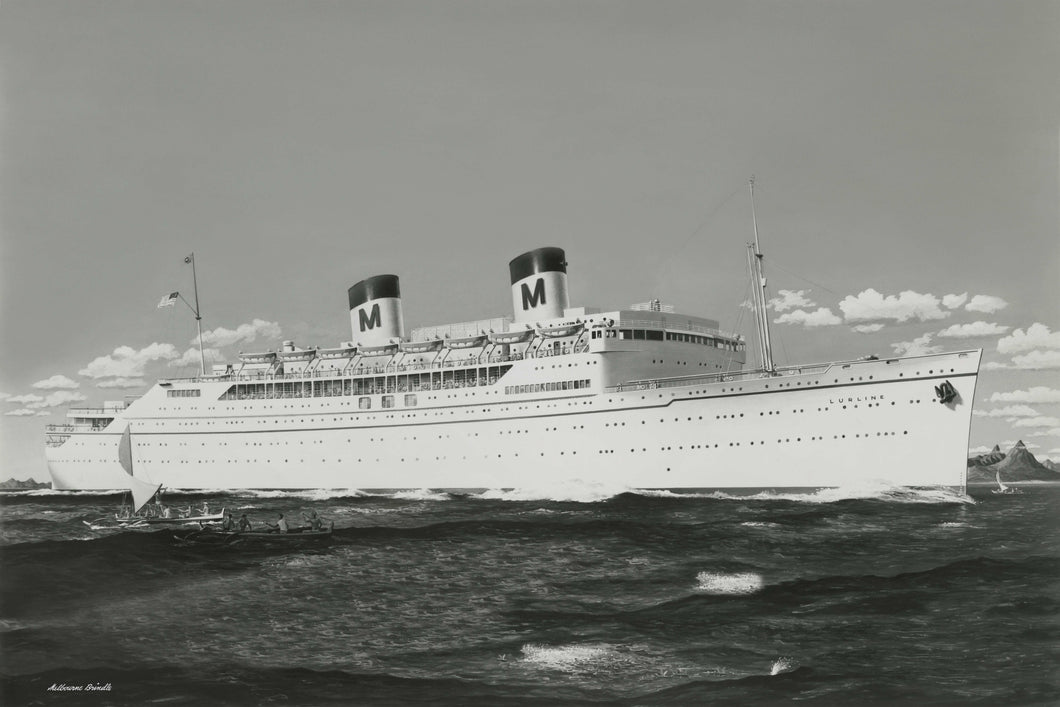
(569, 658)
(309, 494)
(759, 524)
(722, 583)
(60, 492)
(782, 665)
(876, 491)
(572, 490)
(420, 495)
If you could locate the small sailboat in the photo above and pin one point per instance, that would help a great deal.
(142, 491)
(1001, 488)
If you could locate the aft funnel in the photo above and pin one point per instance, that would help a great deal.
(539, 284)
(375, 311)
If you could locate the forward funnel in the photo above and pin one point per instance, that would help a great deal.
(375, 311)
(539, 285)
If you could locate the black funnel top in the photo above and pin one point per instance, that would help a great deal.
(538, 260)
(374, 288)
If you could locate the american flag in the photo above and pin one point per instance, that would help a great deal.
(169, 300)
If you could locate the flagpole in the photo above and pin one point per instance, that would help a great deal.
(198, 318)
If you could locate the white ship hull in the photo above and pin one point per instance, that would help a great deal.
(847, 424)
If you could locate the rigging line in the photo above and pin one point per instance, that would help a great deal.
(710, 216)
(741, 310)
(774, 264)
(779, 338)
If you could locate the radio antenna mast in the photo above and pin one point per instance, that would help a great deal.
(754, 259)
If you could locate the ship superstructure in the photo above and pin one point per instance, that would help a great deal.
(641, 397)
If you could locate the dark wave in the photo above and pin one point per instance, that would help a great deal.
(237, 685)
(834, 595)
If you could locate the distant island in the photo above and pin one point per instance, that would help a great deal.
(28, 485)
(1018, 464)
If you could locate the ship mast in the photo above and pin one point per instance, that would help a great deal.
(754, 262)
(198, 317)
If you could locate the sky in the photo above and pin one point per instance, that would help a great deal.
(905, 154)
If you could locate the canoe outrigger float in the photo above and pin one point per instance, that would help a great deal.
(210, 536)
(194, 520)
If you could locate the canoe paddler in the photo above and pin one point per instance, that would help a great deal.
(315, 522)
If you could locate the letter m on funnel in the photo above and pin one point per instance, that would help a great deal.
(535, 298)
(369, 321)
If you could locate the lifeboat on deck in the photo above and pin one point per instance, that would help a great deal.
(511, 337)
(382, 350)
(298, 355)
(466, 342)
(264, 357)
(558, 330)
(343, 352)
(421, 346)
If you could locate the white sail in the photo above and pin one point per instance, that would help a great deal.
(1000, 486)
(142, 491)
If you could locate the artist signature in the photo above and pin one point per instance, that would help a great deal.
(88, 687)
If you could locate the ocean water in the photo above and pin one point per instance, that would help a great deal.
(561, 596)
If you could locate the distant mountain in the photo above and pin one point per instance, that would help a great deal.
(27, 485)
(992, 457)
(1016, 465)
(1052, 466)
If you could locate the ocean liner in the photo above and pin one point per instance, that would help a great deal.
(640, 398)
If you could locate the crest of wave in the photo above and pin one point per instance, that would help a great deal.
(310, 494)
(869, 490)
(58, 492)
(420, 495)
(728, 584)
(575, 658)
(664, 493)
(575, 490)
(782, 665)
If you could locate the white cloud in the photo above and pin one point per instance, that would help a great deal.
(996, 366)
(867, 328)
(954, 301)
(221, 337)
(1037, 422)
(1037, 360)
(1037, 336)
(790, 299)
(871, 305)
(1010, 411)
(916, 347)
(56, 382)
(980, 450)
(43, 413)
(822, 317)
(191, 358)
(988, 304)
(969, 331)
(22, 412)
(1056, 450)
(5, 396)
(122, 383)
(24, 399)
(1037, 394)
(59, 397)
(127, 362)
